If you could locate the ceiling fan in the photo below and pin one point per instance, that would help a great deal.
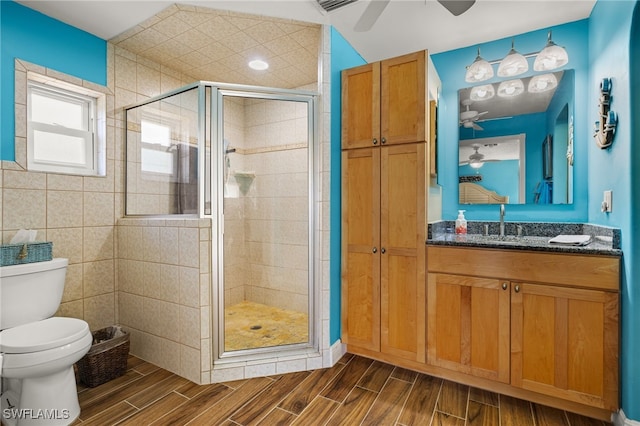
(376, 7)
(469, 118)
(476, 160)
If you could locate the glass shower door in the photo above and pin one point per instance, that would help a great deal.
(267, 243)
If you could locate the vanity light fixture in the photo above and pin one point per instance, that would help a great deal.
(542, 83)
(511, 88)
(513, 64)
(482, 93)
(258, 65)
(479, 70)
(549, 58)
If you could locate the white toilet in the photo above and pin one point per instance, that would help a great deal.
(37, 351)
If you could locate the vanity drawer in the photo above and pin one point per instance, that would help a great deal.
(575, 270)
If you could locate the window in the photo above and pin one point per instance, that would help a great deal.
(157, 153)
(64, 127)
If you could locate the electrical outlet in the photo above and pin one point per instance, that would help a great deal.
(607, 202)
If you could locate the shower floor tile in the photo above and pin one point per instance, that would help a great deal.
(251, 325)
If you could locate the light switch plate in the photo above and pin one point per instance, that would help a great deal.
(607, 202)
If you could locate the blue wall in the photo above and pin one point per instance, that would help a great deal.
(36, 38)
(343, 56)
(451, 69)
(614, 51)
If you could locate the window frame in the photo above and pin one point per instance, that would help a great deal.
(93, 117)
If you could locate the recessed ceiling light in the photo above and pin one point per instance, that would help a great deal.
(258, 64)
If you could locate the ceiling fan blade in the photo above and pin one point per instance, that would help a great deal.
(457, 7)
(370, 15)
(476, 127)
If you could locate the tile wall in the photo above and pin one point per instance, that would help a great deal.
(76, 213)
(164, 281)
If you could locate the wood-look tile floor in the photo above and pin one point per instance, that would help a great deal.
(356, 391)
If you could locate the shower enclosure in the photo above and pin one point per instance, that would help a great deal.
(243, 157)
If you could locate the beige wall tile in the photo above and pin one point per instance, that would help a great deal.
(99, 278)
(190, 327)
(98, 243)
(67, 243)
(131, 309)
(72, 309)
(64, 209)
(189, 287)
(169, 283)
(189, 247)
(170, 355)
(73, 284)
(24, 180)
(98, 209)
(190, 364)
(99, 311)
(58, 182)
(23, 208)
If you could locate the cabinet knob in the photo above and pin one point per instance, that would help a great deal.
(517, 288)
(504, 286)
(375, 141)
(375, 250)
(383, 141)
(383, 250)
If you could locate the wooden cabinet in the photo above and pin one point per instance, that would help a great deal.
(468, 325)
(564, 343)
(558, 322)
(383, 263)
(383, 103)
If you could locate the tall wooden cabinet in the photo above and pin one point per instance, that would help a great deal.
(384, 103)
(384, 180)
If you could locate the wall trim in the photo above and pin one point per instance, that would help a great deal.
(620, 419)
(337, 350)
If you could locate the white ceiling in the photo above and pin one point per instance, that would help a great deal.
(404, 26)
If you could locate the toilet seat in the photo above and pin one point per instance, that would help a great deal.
(42, 335)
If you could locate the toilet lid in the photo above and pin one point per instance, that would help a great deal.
(41, 335)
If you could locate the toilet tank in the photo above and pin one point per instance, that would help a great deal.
(31, 291)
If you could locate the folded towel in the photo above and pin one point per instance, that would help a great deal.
(571, 240)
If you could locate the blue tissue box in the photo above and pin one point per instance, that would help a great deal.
(16, 254)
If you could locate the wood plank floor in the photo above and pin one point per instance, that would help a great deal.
(356, 391)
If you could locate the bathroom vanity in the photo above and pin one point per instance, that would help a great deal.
(523, 317)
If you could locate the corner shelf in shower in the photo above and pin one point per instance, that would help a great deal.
(244, 179)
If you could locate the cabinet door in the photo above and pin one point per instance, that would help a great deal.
(565, 343)
(402, 99)
(360, 249)
(402, 235)
(361, 106)
(469, 325)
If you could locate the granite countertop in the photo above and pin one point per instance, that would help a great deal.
(534, 236)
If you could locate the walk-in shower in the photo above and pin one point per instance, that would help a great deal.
(245, 158)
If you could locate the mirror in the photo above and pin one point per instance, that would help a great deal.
(516, 141)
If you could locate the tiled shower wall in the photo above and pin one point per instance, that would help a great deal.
(266, 227)
(277, 204)
(164, 292)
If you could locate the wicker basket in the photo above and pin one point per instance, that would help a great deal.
(16, 254)
(107, 358)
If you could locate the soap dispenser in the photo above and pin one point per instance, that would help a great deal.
(461, 223)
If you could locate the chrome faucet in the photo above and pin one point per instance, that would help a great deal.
(502, 220)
